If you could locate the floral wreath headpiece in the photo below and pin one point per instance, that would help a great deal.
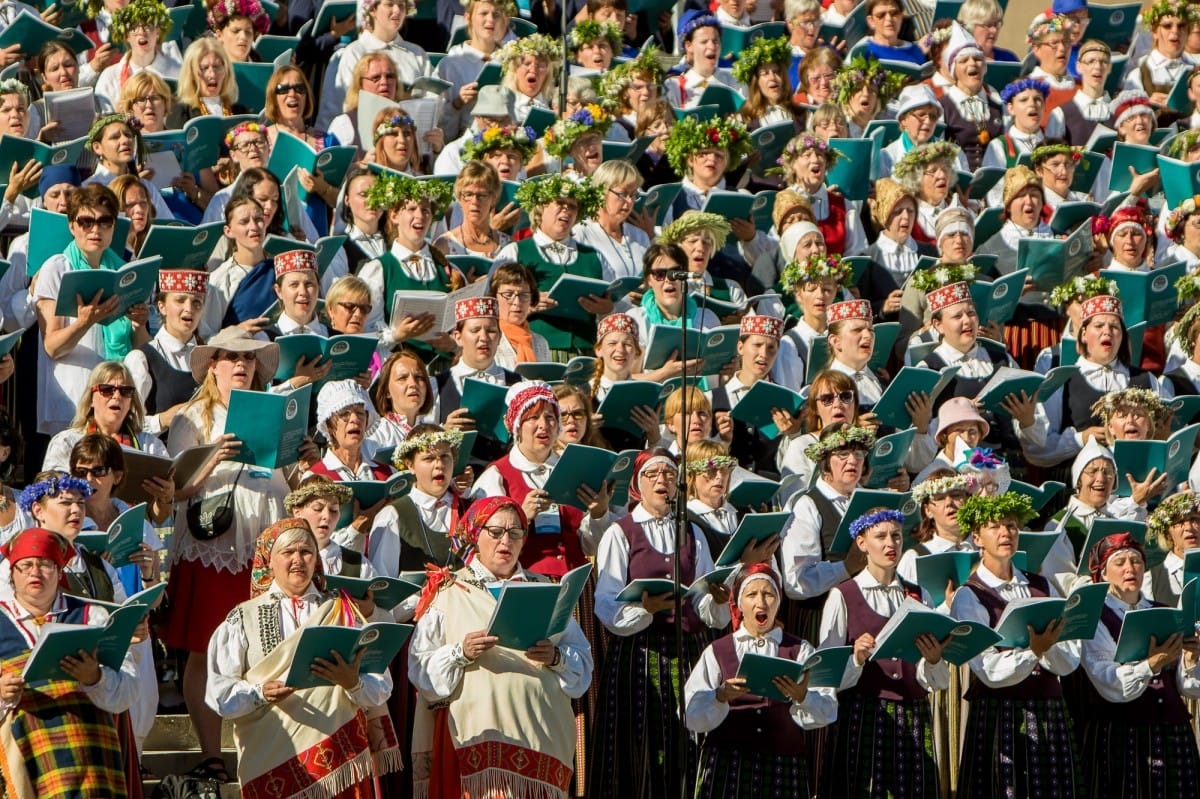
(1024, 84)
(245, 127)
(1047, 151)
(707, 464)
(1175, 219)
(139, 12)
(1044, 25)
(537, 44)
(815, 267)
(497, 137)
(563, 134)
(53, 487)
(804, 142)
(977, 511)
(866, 522)
(1143, 398)
(915, 160)
(855, 437)
(762, 51)
(338, 491)
(864, 70)
(1188, 287)
(679, 229)
(1184, 143)
(14, 86)
(133, 123)
(423, 442)
(1080, 288)
(540, 192)
(394, 124)
(619, 77)
(1184, 324)
(931, 279)
(1170, 511)
(590, 30)
(690, 135)
(223, 10)
(940, 486)
(1163, 8)
(390, 189)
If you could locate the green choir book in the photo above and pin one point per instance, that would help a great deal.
(333, 10)
(1100, 528)
(886, 334)
(485, 403)
(770, 141)
(736, 38)
(1039, 495)
(723, 97)
(351, 354)
(720, 308)
(332, 162)
(383, 640)
(988, 223)
(887, 457)
(763, 397)
(17, 150)
(581, 465)
(133, 283)
(271, 427)
(49, 236)
(141, 465)
(655, 586)
(625, 395)
(1149, 297)
(1142, 158)
(898, 637)
(1114, 25)
(252, 80)
(1184, 409)
(1191, 565)
(1173, 457)
(1070, 214)
(578, 371)
(824, 668)
(910, 380)
(387, 592)
(717, 346)
(326, 248)
(122, 539)
(818, 358)
(569, 289)
(1080, 609)
(1139, 626)
(885, 130)
(9, 340)
(1007, 381)
(540, 119)
(742, 205)
(997, 301)
(629, 151)
(1052, 262)
(270, 47)
(657, 200)
(529, 612)
(146, 598)
(749, 490)
(1178, 178)
(754, 528)
(851, 174)
(1001, 73)
(488, 75)
(936, 570)
(33, 33)
(1036, 544)
(369, 493)
(182, 246)
(850, 30)
(861, 501)
(198, 143)
(464, 451)
(982, 181)
(57, 641)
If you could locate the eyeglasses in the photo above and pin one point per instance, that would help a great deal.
(845, 397)
(515, 296)
(379, 78)
(513, 533)
(574, 416)
(894, 13)
(807, 23)
(1055, 44)
(355, 307)
(625, 198)
(106, 390)
(482, 196)
(657, 474)
(83, 472)
(249, 357)
(354, 411)
(252, 144)
(86, 223)
(284, 88)
(850, 454)
(996, 24)
(29, 565)
(149, 99)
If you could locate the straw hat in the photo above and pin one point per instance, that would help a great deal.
(235, 339)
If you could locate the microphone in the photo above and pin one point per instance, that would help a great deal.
(680, 274)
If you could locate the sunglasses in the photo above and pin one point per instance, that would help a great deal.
(284, 88)
(843, 396)
(352, 307)
(237, 356)
(659, 274)
(86, 223)
(82, 472)
(106, 390)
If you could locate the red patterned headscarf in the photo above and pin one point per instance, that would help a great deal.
(1108, 546)
(647, 458)
(260, 569)
(755, 571)
(38, 542)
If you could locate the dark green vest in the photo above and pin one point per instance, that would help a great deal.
(561, 332)
(418, 544)
(96, 584)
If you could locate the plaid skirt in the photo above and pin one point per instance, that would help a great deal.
(1131, 761)
(1018, 749)
(882, 749)
(633, 743)
(730, 773)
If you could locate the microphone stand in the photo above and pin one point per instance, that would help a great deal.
(681, 533)
(562, 84)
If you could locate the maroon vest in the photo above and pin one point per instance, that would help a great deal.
(891, 679)
(646, 562)
(1040, 684)
(1160, 703)
(549, 554)
(756, 724)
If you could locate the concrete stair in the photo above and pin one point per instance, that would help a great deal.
(172, 748)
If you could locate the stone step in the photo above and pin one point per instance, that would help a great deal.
(173, 731)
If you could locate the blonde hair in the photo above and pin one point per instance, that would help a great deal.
(103, 373)
(347, 286)
(696, 400)
(188, 89)
(702, 451)
(356, 78)
(138, 85)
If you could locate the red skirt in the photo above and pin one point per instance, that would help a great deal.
(200, 598)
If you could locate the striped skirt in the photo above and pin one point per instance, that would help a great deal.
(881, 749)
(1132, 761)
(634, 737)
(1017, 749)
(733, 773)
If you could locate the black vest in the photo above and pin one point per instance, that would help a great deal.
(419, 544)
(1079, 396)
(1077, 128)
(168, 386)
(965, 133)
(486, 449)
(1182, 383)
(753, 450)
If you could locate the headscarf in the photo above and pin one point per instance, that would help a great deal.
(645, 459)
(38, 542)
(755, 571)
(1108, 546)
(260, 569)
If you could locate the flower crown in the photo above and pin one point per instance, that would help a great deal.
(424, 442)
(976, 511)
(854, 437)
(909, 167)
(139, 12)
(538, 44)
(690, 135)
(103, 122)
(689, 223)
(938, 36)
(392, 125)
(1081, 288)
(940, 486)
(1048, 151)
(391, 188)
(319, 489)
(507, 7)
(540, 192)
(53, 487)
(1143, 398)
(982, 458)
(563, 134)
(929, 279)
(1184, 325)
(1171, 510)
(762, 51)
(224, 10)
(507, 137)
(815, 267)
(14, 86)
(410, 7)
(864, 523)
(1017, 86)
(708, 464)
(1188, 287)
(245, 127)
(1184, 143)
(618, 78)
(804, 142)
(1163, 8)
(1044, 26)
(590, 30)
(863, 71)
(1175, 219)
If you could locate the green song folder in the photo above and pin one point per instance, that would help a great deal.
(825, 668)
(527, 613)
(382, 641)
(271, 427)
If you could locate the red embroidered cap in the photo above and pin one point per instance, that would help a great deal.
(187, 281)
(762, 325)
(945, 296)
(295, 261)
(1101, 303)
(615, 323)
(851, 309)
(476, 308)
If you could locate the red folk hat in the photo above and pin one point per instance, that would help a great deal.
(476, 308)
(1101, 303)
(762, 325)
(851, 309)
(945, 296)
(187, 281)
(38, 542)
(295, 261)
(616, 323)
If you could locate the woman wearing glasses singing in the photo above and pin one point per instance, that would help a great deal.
(289, 103)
